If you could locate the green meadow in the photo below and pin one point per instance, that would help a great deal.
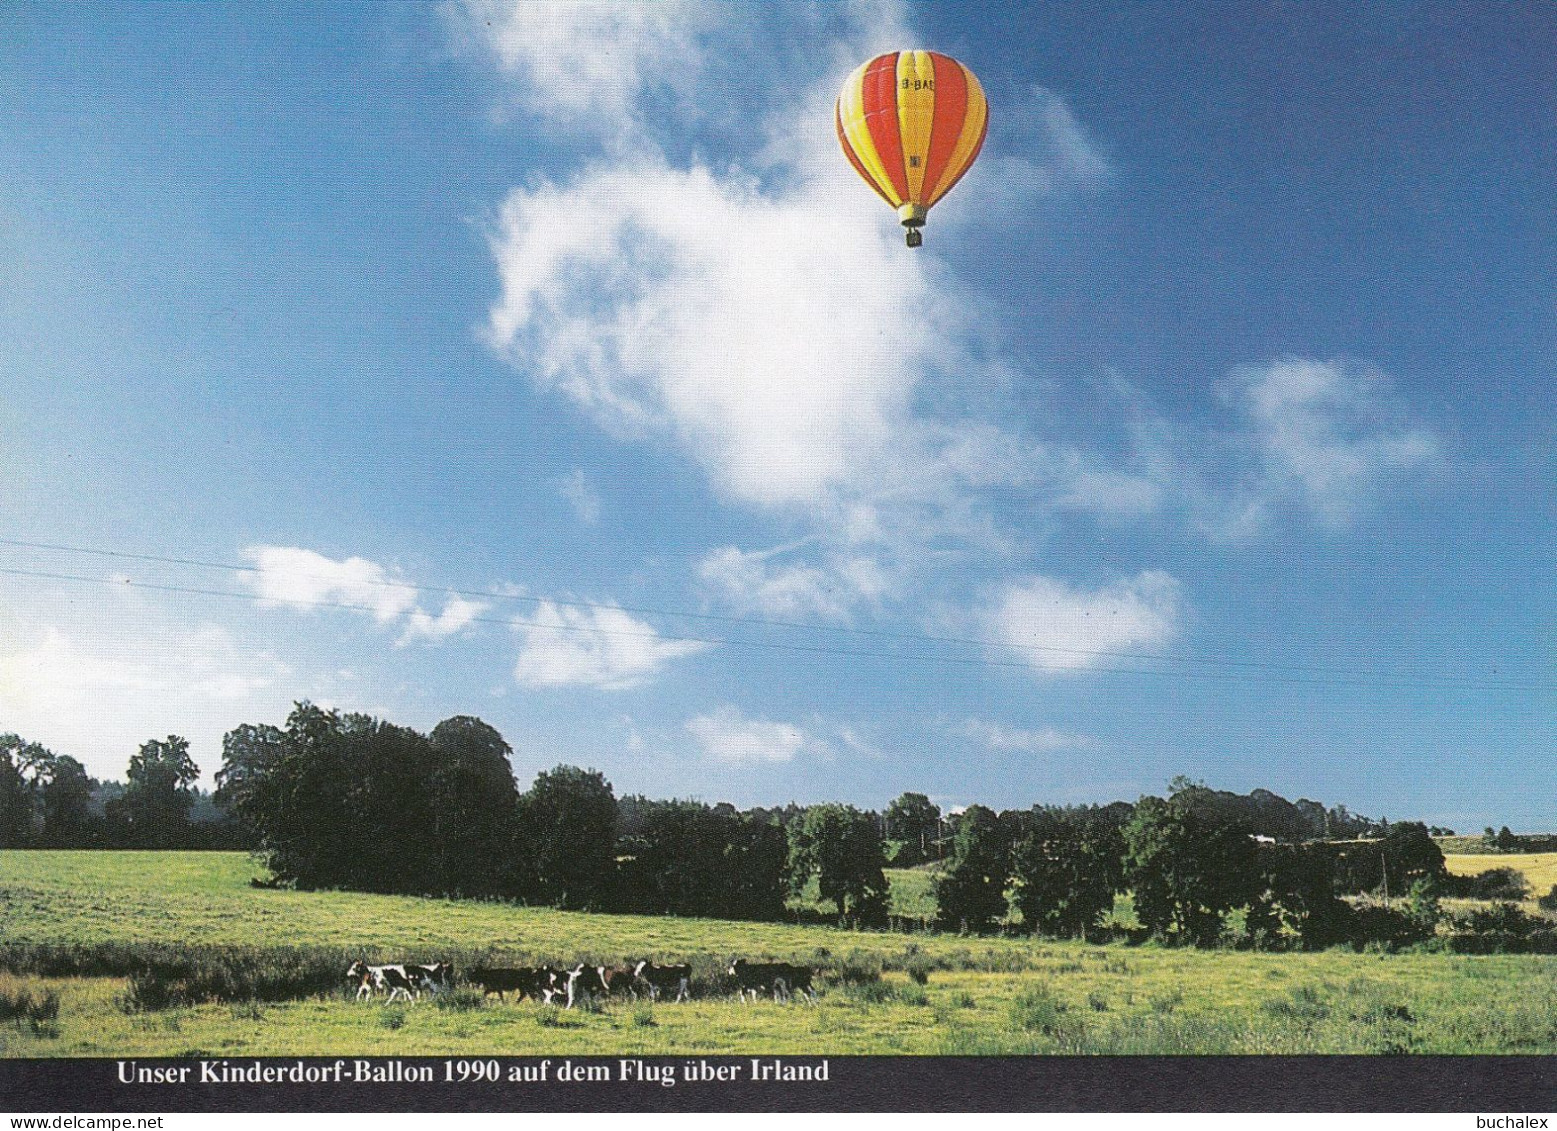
(879, 992)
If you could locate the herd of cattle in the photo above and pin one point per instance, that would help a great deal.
(551, 984)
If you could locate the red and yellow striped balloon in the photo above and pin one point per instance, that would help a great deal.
(911, 123)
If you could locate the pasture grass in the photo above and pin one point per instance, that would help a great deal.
(879, 993)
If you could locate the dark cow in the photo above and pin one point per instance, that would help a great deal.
(371, 979)
(536, 982)
(777, 978)
(437, 978)
(658, 979)
(795, 979)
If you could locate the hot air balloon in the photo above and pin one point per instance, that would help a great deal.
(911, 123)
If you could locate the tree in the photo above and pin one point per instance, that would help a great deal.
(159, 792)
(972, 893)
(567, 838)
(16, 794)
(1067, 868)
(1410, 854)
(1185, 871)
(65, 795)
(756, 865)
(839, 846)
(295, 789)
(912, 820)
(1296, 893)
(473, 798)
(685, 858)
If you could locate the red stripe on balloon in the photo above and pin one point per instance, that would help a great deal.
(879, 96)
(848, 151)
(951, 113)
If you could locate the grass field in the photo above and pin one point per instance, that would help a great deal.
(981, 996)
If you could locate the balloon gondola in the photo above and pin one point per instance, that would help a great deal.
(911, 123)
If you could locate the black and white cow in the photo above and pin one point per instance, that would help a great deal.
(660, 979)
(599, 981)
(371, 979)
(437, 978)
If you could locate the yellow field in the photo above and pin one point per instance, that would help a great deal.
(1540, 868)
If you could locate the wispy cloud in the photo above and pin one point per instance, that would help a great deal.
(581, 495)
(604, 647)
(589, 64)
(1330, 435)
(727, 735)
(1001, 738)
(457, 613)
(750, 582)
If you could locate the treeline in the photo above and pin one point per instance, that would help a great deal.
(338, 800)
(48, 800)
(1188, 867)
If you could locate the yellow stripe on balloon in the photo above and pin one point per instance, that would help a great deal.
(855, 128)
(915, 114)
(969, 140)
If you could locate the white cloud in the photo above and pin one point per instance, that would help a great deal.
(289, 576)
(1329, 434)
(1002, 738)
(727, 735)
(286, 575)
(1058, 628)
(457, 613)
(589, 63)
(601, 646)
(750, 582)
(765, 318)
(767, 336)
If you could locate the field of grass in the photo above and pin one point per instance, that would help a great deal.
(1539, 868)
(979, 996)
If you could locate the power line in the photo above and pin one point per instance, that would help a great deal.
(1339, 678)
(763, 622)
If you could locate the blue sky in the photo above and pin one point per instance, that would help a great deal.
(547, 362)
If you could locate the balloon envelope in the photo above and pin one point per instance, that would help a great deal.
(911, 123)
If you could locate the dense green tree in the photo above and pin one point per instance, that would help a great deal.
(757, 863)
(1185, 871)
(297, 790)
(566, 838)
(971, 894)
(1067, 868)
(65, 797)
(912, 821)
(1294, 898)
(841, 847)
(17, 800)
(687, 858)
(473, 798)
(158, 794)
(389, 814)
(1411, 854)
